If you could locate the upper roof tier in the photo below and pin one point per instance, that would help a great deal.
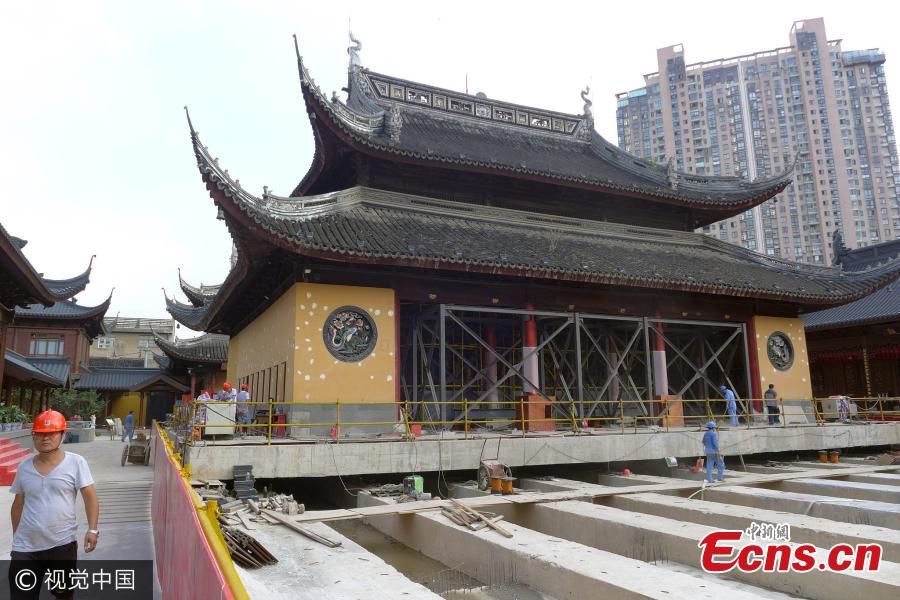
(23, 285)
(414, 123)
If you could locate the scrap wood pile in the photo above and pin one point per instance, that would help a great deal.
(466, 516)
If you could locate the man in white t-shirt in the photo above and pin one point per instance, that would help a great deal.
(45, 529)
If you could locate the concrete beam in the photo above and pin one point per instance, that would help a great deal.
(656, 539)
(879, 514)
(879, 478)
(559, 567)
(813, 530)
(841, 489)
(215, 461)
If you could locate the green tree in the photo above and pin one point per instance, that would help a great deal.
(75, 402)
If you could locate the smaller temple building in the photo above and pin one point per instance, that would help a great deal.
(44, 333)
(855, 348)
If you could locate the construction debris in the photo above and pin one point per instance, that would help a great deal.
(245, 550)
(244, 482)
(280, 518)
(480, 516)
(465, 519)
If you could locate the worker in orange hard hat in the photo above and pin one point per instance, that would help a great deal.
(44, 524)
(226, 386)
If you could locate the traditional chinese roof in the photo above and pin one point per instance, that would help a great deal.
(198, 295)
(417, 123)
(881, 306)
(58, 368)
(210, 348)
(27, 370)
(376, 227)
(21, 284)
(67, 310)
(133, 380)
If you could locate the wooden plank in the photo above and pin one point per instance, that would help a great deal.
(301, 530)
(490, 523)
(250, 526)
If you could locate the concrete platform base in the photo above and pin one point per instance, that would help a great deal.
(453, 452)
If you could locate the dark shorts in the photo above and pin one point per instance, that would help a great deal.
(40, 563)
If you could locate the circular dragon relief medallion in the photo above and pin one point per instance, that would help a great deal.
(350, 333)
(780, 351)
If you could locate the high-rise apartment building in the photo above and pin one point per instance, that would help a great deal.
(752, 115)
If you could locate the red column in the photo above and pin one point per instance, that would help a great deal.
(529, 355)
(755, 386)
(660, 373)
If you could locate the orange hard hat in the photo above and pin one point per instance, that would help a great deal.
(244, 386)
(49, 421)
(226, 386)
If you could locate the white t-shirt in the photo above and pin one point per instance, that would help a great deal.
(48, 518)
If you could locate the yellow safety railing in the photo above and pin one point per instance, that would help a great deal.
(557, 415)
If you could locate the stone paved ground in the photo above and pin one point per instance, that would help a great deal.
(124, 492)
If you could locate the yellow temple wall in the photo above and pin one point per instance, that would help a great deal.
(319, 377)
(266, 342)
(794, 383)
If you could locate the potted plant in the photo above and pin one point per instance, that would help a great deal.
(4, 418)
(17, 417)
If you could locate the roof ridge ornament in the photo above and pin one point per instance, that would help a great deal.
(671, 174)
(585, 133)
(353, 51)
(393, 123)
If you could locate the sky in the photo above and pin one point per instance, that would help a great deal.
(95, 155)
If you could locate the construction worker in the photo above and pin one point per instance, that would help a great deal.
(44, 525)
(731, 404)
(711, 448)
(771, 397)
(128, 434)
(243, 414)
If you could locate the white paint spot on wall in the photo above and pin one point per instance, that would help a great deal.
(390, 377)
(307, 396)
(309, 294)
(390, 313)
(306, 377)
(299, 372)
(325, 307)
(309, 348)
(312, 360)
(314, 305)
(335, 362)
(307, 340)
(307, 323)
(359, 364)
(296, 347)
(377, 312)
(298, 328)
(371, 377)
(390, 353)
(302, 307)
(804, 380)
(321, 375)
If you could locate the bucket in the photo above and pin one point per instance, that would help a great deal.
(823, 456)
(496, 485)
(415, 429)
(835, 456)
(506, 485)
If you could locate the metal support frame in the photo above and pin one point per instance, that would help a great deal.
(583, 357)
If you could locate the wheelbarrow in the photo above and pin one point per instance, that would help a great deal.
(137, 451)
